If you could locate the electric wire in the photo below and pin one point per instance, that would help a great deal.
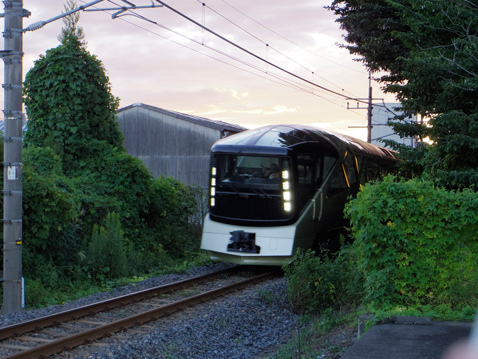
(280, 80)
(285, 38)
(252, 54)
(268, 45)
(291, 84)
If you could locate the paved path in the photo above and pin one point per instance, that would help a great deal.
(408, 341)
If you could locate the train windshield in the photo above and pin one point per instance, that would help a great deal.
(254, 188)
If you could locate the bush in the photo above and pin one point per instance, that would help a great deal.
(320, 282)
(49, 209)
(417, 244)
(172, 206)
(106, 255)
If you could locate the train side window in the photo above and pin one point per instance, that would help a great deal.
(329, 162)
(338, 182)
(305, 174)
(373, 172)
(308, 169)
(349, 168)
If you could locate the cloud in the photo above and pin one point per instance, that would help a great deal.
(145, 65)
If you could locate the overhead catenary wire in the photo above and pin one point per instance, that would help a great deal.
(279, 79)
(285, 38)
(268, 45)
(254, 55)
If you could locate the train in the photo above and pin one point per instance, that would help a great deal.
(277, 188)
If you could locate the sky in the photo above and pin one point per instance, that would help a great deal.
(167, 61)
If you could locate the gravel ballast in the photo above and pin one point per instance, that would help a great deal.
(240, 325)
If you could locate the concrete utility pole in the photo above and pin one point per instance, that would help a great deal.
(13, 144)
(369, 108)
(13, 141)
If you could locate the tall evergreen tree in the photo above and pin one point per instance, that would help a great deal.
(71, 24)
(432, 71)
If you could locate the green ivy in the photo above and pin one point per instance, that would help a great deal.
(77, 173)
(69, 103)
(417, 244)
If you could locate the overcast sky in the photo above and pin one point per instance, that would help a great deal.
(165, 63)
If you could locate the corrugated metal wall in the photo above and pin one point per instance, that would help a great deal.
(167, 145)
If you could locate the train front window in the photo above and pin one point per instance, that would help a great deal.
(254, 188)
(249, 172)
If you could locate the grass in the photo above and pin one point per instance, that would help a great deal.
(326, 336)
(37, 296)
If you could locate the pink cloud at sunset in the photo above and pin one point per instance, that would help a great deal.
(155, 56)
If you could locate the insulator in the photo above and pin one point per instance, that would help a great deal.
(35, 26)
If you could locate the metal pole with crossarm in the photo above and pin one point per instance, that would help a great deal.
(12, 56)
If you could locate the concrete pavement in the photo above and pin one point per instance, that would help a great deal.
(408, 339)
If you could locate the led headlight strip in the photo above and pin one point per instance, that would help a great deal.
(213, 186)
(286, 194)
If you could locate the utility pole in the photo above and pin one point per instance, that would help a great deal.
(13, 163)
(369, 108)
(12, 56)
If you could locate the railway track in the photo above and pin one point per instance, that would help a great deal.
(46, 336)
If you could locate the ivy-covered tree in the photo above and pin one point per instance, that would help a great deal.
(430, 51)
(77, 173)
(70, 105)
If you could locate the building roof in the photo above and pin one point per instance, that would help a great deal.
(217, 125)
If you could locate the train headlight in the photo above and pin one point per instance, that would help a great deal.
(213, 186)
(287, 206)
(285, 175)
(286, 195)
(286, 185)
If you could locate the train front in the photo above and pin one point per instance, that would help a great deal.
(252, 203)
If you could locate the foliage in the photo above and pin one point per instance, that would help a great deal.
(71, 24)
(173, 205)
(429, 52)
(69, 104)
(370, 27)
(106, 256)
(416, 243)
(48, 209)
(90, 209)
(316, 283)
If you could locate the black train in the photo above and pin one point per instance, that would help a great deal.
(282, 187)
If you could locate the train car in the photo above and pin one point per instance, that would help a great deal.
(278, 188)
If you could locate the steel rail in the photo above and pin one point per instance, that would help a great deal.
(57, 318)
(89, 336)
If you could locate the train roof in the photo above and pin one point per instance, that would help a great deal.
(289, 136)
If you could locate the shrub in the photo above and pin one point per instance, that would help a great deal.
(326, 281)
(106, 255)
(172, 206)
(49, 209)
(417, 244)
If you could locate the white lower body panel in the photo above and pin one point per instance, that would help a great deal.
(276, 243)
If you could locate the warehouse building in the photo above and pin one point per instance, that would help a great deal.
(172, 144)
